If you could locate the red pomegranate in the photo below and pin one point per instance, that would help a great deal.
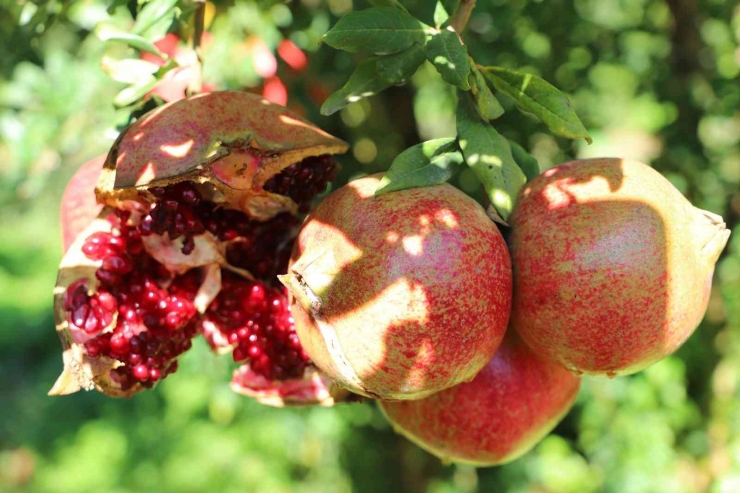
(512, 404)
(612, 265)
(79, 207)
(201, 199)
(402, 295)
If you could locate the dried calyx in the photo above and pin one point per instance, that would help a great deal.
(201, 199)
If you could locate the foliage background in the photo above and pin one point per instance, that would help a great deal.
(655, 80)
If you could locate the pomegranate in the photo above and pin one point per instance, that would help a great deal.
(79, 207)
(198, 203)
(402, 295)
(612, 265)
(514, 402)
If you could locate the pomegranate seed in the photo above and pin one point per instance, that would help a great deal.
(141, 372)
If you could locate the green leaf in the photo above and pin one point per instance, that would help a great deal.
(488, 105)
(451, 6)
(488, 154)
(109, 32)
(401, 66)
(129, 71)
(387, 3)
(537, 96)
(381, 30)
(450, 58)
(527, 162)
(151, 14)
(134, 92)
(364, 82)
(440, 14)
(423, 165)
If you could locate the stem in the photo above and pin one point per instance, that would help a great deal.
(196, 83)
(462, 15)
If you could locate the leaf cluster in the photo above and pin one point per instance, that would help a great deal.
(399, 44)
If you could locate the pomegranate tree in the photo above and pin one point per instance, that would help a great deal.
(401, 295)
(612, 265)
(197, 208)
(511, 404)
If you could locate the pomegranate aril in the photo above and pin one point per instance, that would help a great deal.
(118, 265)
(141, 372)
(80, 315)
(108, 277)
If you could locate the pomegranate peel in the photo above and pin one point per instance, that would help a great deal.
(234, 150)
(313, 388)
(79, 209)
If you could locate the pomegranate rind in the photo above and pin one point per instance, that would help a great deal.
(613, 266)
(399, 296)
(512, 404)
(80, 371)
(234, 141)
(313, 388)
(79, 207)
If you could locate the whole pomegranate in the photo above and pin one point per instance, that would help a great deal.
(196, 212)
(402, 295)
(612, 265)
(514, 402)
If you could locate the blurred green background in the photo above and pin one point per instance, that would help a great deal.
(654, 80)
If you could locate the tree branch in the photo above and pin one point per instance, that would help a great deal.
(196, 83)
(461, 16)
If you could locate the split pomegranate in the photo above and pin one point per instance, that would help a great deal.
(512, 404)
(200, 211)
(612, 265)
(401, 295)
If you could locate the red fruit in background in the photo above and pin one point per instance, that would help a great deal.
(402, 295)
(612, 265)
(292, 55)
(79, 207)
(512, 404)
(275, 91)
(201, 201)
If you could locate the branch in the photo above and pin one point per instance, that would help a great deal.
(196, 83)
(462, 14)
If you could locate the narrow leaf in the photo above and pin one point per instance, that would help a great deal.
(151, 13)
(129, 71)
(423, 165)
(488, 105)
(401, 66)
(440, 14)
(489, 156)
(109, 32)
(451, 6)
(535, 95)
(364, 82)
(527, 162)
(133, 93)
(450, 58)
(387, 3)
(380, 30)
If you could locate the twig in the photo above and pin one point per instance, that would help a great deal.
(196, 83)
(462, 15)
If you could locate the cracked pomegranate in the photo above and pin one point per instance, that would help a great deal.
(512, 404)
(201, 198)
(402, 295)
(612, 265)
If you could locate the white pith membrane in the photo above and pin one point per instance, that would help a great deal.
(188, 291)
